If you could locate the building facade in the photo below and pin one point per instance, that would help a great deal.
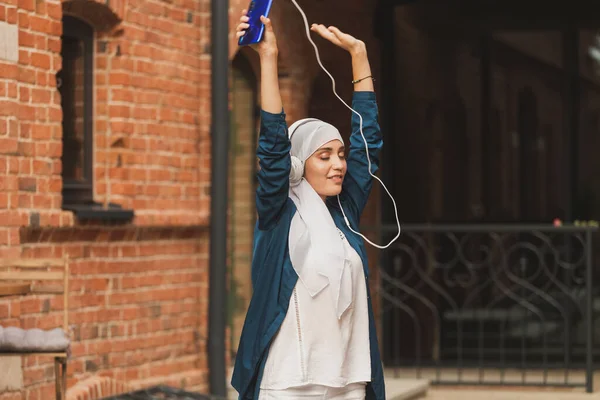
(105, 157)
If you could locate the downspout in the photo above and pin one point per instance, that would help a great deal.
(217, 316)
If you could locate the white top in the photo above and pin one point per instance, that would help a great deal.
(314, 347)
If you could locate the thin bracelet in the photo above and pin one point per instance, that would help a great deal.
(360, 80)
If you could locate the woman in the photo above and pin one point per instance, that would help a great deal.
(309, 331)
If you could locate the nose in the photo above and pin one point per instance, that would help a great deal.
(337, 163)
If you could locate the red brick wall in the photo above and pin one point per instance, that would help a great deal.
(139, 293)
(158, 97)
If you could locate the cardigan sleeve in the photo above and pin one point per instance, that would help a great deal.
(274, 168)
(358, 182)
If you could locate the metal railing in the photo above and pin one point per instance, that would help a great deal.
(490, 304)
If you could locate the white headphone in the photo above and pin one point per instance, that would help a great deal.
(297, 170)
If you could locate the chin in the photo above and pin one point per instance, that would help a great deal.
(334, 192)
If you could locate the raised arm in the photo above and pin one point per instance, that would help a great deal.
(358, 182)
(273, 144)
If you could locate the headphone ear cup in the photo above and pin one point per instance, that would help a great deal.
(296, 171)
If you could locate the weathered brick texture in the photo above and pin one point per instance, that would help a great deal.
(139, 293)
(138, 306)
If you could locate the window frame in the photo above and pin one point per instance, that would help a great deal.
(82, 191)
(78, 195)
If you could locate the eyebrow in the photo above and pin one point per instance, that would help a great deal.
(330, 149)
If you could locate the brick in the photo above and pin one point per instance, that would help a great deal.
(41, 42)
(11, 15)
(23, 20)
(8, 145)
(28, 5)
(41, 96)
(55, 28)
(54, 45)
(13, 165)
(40, 60)
(8, 108)
(24, 94)
(12, 89)
(27, 112)
(27, 184)
(4, 240)
(24, 167)
(8, 70)
(53, 10)
(39, 24)
(24, 57)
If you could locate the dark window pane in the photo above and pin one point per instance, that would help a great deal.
(72, 90)
(75, 83)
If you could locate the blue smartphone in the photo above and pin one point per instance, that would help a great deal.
(254, 33)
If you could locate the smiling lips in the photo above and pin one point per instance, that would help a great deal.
(338, 178)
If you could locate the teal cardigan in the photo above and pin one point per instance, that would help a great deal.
(273, 277)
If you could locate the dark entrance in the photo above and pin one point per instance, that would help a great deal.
(487, 149)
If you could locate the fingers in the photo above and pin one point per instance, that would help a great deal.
(241, 29)
(243, 25)
(326, 34)
(321, 30)
(335, 31)
(267, 22)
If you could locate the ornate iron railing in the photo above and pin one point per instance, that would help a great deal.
(490, 304)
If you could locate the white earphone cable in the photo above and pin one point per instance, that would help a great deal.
(361, 133)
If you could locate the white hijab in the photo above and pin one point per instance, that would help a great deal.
(317, 250)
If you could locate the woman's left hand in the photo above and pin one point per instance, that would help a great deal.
(339, 38)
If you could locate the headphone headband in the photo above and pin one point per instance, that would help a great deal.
(294, 127)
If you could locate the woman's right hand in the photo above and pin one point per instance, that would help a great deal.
(268, 45)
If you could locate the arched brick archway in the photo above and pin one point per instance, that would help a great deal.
(103, 16)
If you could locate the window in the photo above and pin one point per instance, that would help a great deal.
(75, 83)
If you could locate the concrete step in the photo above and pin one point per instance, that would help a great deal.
(506, 394)
(396, 389)
(406, 389)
